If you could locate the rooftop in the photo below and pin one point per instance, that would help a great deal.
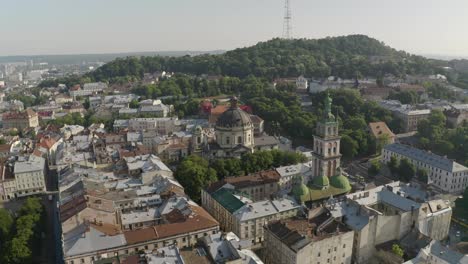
(265, 208)
(426, 157)
(33, 163)
(378, 129)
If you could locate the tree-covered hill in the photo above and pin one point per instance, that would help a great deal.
(345, 56)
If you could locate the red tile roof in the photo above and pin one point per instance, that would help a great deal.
(199, 221)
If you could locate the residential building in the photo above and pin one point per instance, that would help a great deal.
(380, 132)
(409, 116)
(258, 186)
(443, 173)
(29, 176)
(228, 248)
(436, 253)
(321, 239)
(20, 120)
(388, 213)
(457, 114)
(237, 213)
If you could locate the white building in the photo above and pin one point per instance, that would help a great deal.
(29, 176)
(436, 253)
(388, 213)
(446, 174)
(321, 239)
(301, 83)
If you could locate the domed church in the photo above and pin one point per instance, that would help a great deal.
(234, 134)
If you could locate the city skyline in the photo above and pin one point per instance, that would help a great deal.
(89, 27)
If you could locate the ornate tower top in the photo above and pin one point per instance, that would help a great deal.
(328, 116)
(234, 102)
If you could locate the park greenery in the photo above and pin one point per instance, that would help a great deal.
(20, 236)
(402, 168)
(195, 172)
(434, 135)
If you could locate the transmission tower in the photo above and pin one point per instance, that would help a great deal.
(287, 26)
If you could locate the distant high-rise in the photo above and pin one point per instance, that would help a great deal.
(287, 26)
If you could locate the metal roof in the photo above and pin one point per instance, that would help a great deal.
(426, 157)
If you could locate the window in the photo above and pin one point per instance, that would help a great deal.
(227, 140)
(344, 245)
(239, 140)
(319, 254)
(335, 249)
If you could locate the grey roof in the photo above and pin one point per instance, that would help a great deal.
(165, 255)
(80, 241)
(445, 253)
(266, 141)
(397, 201)
(234, 117)
(34, 163)
(264, 208)
(426, 157)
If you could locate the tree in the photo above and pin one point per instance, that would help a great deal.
(134, 104)
(397, 250)
(406, 170)
(194, 174)
(385, 257)
(349, 147)
(422, 175)
(393, 165)
(6, 223)
(374, 168)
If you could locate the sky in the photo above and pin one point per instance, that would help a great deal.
(33, 27)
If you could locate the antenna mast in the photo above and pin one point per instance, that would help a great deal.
(287, 26)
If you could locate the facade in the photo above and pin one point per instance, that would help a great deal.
(29, 177)
(301, 83)
(412, 118)
(388, 213)
(457, 115)
(308, 241)
(237, 213)
(20, 120)
(234, 133)
(447, 175)
(380, 132)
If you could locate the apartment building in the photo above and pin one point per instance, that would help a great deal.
(20, 120)
(447, 175)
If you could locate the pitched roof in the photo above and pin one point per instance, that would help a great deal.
(198, 221)
(379, 129)
(426, 157)
(227, 199)
(254, 179)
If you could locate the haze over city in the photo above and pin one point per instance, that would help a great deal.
(109, 26)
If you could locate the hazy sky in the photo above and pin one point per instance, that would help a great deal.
(105, 26)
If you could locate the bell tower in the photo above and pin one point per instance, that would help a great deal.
(326, 153)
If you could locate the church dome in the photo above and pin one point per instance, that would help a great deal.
(321, 182)
(234, 117)
(340, 181)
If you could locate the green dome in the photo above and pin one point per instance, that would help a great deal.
(321, 181)
(341, 182)
(300, 190)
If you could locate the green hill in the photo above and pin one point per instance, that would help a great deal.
(346, 57)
